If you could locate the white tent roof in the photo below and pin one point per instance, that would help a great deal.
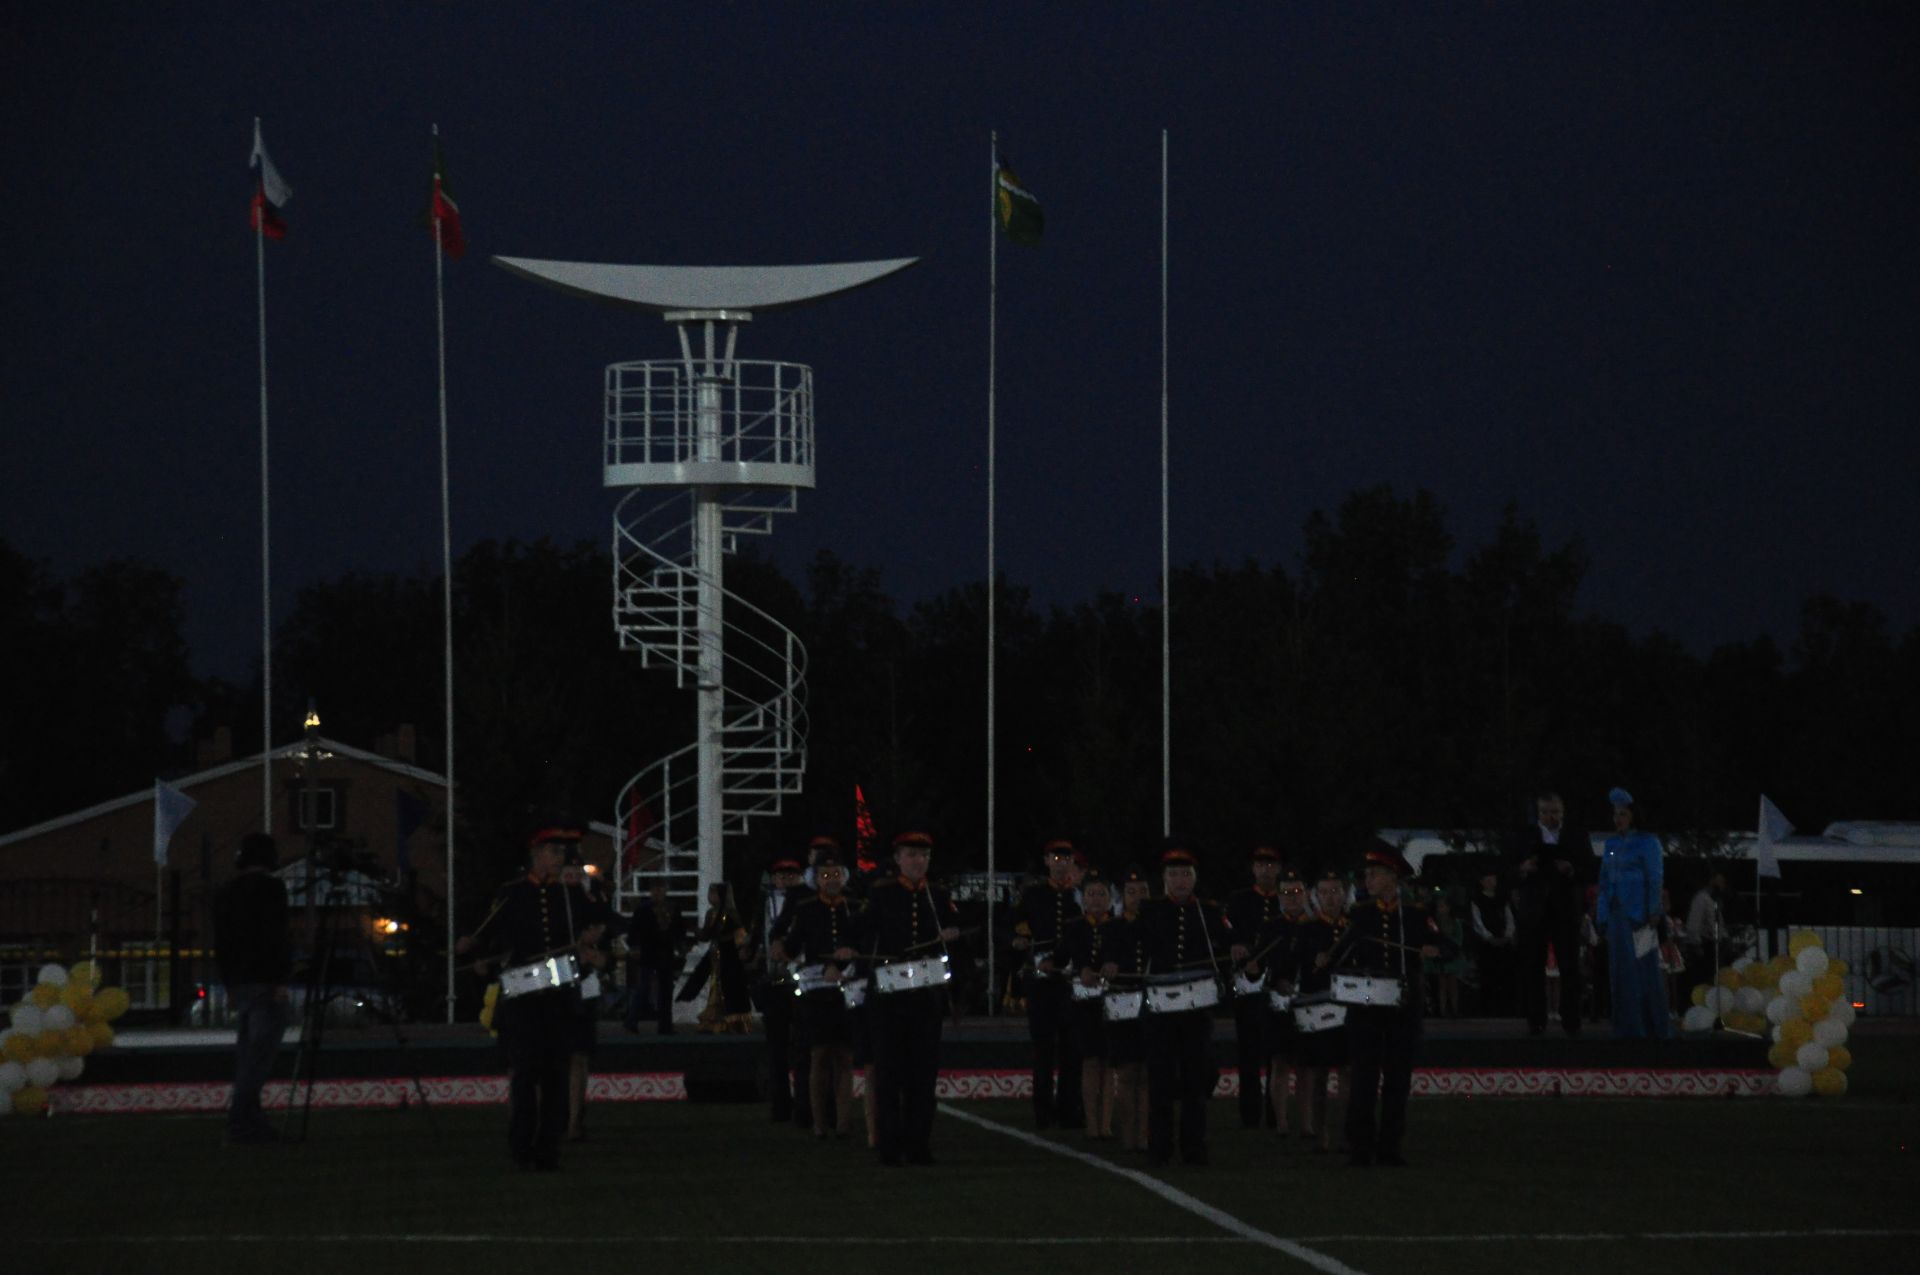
(667, 288)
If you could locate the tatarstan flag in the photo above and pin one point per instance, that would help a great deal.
(270, 191)
(1018, 210)
(441, 210)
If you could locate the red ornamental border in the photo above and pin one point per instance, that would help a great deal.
(457, 1091)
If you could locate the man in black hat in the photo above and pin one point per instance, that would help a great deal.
(773, 993)
(1251, 910)
(1389, 935)
(1041, 919)
(539, 919)
(908, 918)
(255, 954)
(1184, 937)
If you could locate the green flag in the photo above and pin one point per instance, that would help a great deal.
(1018, 210)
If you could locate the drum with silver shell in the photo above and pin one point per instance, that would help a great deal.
(1318, 1012)
(912, 976)
(1359, 987)
(546, 975)
(1177, 993)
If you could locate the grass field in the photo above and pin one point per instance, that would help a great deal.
(1694, 1185)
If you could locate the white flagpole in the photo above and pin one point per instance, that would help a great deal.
(993, 306)
(266, 592)
(1166, 579)
(446, 552)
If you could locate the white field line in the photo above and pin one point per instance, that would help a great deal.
(1172, 1195)
(588, 1241)
(1616, 1237)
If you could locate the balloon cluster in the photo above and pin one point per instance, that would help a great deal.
(487, 1005)
(1798, 1000)
(55, 1026)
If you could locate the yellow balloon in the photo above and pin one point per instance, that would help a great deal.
(50, 1044)
(1839, 1058)
(1800, 940)
(86, 973)
(44, 996)
(1727, 978)
(77, 996)
(1780, 1056)
(1830, 1083)
(1815, 1006)
(1781, 964)
(1757, 975)
(79, 1040)
(1796, 1032)
(111, 1002)
(102, 1035)
(1829, 986)
(1700, 993)
(19, 1048)
(1837, 966)
(30, 1101)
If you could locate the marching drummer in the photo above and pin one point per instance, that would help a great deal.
(1249, 911)
(1126, 1034)
(822, 938)
(1389, 937)
(1186, 942)
(1281, 939)
(1090, 949)
(1042, 916)
(773, 993)
(1323, 1052)
(533, 920)
(910, 922)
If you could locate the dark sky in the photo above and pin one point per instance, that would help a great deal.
(1651, 273)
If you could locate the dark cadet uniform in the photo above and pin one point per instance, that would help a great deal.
(1321, 1048)
(1249, 912)
(821, 927)
(1042, 916)
(1181, 938)
(538, 1030)
(773, 997)
(1090, 942)
(1127, 1040)
(1284, 939)
(905, 921)
(1381, 1039)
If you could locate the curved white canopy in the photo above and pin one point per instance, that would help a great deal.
(703, 287)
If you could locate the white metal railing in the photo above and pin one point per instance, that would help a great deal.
(764, 413)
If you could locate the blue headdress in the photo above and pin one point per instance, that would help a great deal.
(1620, 797)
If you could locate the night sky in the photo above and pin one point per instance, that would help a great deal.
(1650, 273)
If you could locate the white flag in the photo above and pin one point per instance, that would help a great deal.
(275, 186)
(1774, 828)
(170, 808)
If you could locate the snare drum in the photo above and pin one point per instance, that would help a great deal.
(1245, 986)
(1279, 1002)
(813, 978)
(1182, 992)
(854, 992)
(547, 975)
(1124, 1007)
(1376, 990)
(1084, 992)
(1317, 1012)
(911, 976)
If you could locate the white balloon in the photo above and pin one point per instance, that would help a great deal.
(1776, 1033)
(12, 1076)
(1843, 1012)
(55, 974)
(26, 1018)
(1750, 1000)
(71, 1066)
(56, 1019)
(1698, 1018)
(1812, 961)
(1795, 1083)
(1796, 986)
(1720, 1000)
(43, 1072)
(1829, 1034)
(1811, 1057)
(1779, 1010)
(1742, 964)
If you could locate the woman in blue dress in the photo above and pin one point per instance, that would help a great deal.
(1628, 909)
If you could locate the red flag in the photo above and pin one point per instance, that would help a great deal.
(270, 191)
(443, 212)
(639, 827)
(265, 218)
(863, 832)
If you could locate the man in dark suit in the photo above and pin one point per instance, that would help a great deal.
(1552, 866)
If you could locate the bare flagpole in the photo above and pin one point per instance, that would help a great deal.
(446, 554)
(993, 307)
(266, 592)
(1166, 578)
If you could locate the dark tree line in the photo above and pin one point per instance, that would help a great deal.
(1388, 679)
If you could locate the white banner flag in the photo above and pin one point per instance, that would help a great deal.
(170, 809)
(1774, 829)
(275, 186)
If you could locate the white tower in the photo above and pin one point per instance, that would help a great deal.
(731, 442)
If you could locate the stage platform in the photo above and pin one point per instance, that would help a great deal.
(160, 1070)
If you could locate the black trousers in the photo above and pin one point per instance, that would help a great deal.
(1056, 1044)
(776, 1020)
(906, 1068)
(537, 1032)
(1381, 1044)
(1180, 1069)
(1251, 1051)
(1563, 935)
